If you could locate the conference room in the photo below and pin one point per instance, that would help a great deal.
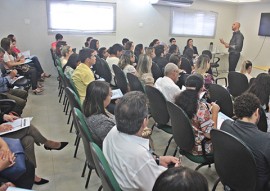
(35, 24)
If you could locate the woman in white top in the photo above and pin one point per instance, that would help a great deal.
(246, 69)
(126, 62)
(115, 52)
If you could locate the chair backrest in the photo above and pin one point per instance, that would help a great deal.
(73, 98)
(262, 124)
(69, 82)
(156, 72)
(234, 161)
(134, 83)
(182, 129)
(6, 105)
(238, 83)
(85, 135)
(182, 80)
(103, 70)
(108, 180)
(61, 75)
(157, 102)
(53, 57)
(120, 79)
(222, 98)
(58, 62)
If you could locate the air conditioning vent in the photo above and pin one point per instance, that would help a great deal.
(173, 3)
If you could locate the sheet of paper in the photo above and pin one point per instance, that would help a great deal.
(17, 189)
(27, 61)
(26, 54)
(18, 124)
(117, 93)
(17, 78)
(221, 117)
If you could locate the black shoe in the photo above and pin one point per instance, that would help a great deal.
(42, 181)
(62, 145)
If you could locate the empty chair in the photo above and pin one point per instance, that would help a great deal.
(238, 83)
(108, 180)
(86, 137)
(222, 97)
(158, 110)
(234, 162)
(184, 136)
(134, 83)
(120, 79)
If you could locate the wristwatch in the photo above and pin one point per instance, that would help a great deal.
(156, 157)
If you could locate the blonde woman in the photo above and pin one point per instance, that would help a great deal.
(144, 67)
(246, 69)
(201, 67)
(65, 52)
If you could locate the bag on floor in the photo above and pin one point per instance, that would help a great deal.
(14, 172)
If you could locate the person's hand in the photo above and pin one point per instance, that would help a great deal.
(21, 57)
(9, 118)
(22, 60)
(166, 160)
(222, 41)
(13, 73)
(5, 186)
(5, 127)
(7, 159)
(214, 107)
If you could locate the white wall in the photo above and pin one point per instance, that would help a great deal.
(130, 13)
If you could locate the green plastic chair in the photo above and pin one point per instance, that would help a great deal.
(108, 180)
(85, 134)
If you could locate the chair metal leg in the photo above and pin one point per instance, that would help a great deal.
(61, 94)
(88, 178)
(215, 185)
(71, 127)
(100, 188)
(175, 151)
(65, 103)
(69, 116)
(203, 164)
(84, 168)
(169, 142)
(65, 98)
(67, 109)
(77, 146)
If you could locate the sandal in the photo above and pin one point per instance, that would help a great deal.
(44, 75)
(37, 91)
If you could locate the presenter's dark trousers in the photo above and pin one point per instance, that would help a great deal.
(233, 60)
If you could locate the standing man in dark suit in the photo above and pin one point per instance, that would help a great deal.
(235, 46)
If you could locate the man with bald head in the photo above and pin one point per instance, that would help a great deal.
(167, 84)
(235, 46)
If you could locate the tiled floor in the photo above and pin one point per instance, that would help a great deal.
(64, 171)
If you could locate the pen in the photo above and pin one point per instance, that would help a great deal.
(212, 106)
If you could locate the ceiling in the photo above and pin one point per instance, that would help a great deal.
(239, 1)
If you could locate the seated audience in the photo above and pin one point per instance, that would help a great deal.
(35, 61)
(87, 42)
(187, 61)
(71, 65)
(127, 152)
(66, 51)
(129, 46)
(261, 88)
(144, 67)
(190, 45)
(138, 51)
(156, 72)
(172, 41)
(246, 109)
(126, 62)
(246, 69)
(203, 116)
(202, 65)
(59, 46)
(83, 75)
(10, 63)
(124, 41)
(160, 59)
(94, 44)
(103, 53)
(99, 120)
(58, 37)
(115, 53)
(167, 84)
(154, 43)
(28, 137)
(181, 179)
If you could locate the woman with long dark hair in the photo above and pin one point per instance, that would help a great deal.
(71, 65)
(138, 51)
(203, 116)
(99, 120)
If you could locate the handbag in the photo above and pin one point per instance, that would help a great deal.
(14, 172)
